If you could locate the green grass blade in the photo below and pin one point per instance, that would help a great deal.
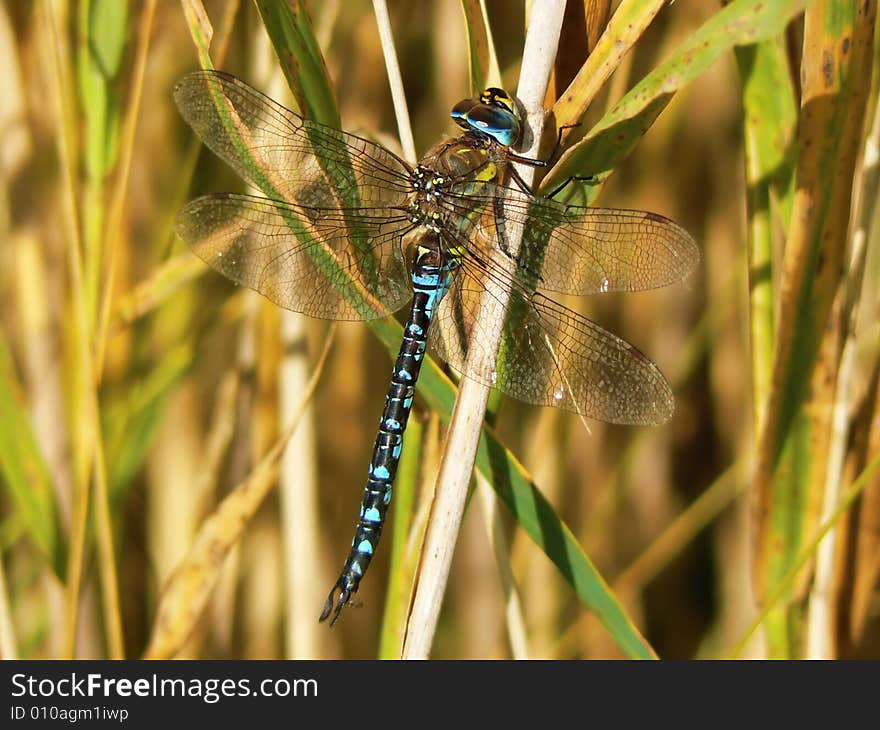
(770, 118)
(131, 418)
(103, 27)
(24, 470)
(290, 31)
(482, 59)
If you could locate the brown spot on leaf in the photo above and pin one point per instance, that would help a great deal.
(828, 68)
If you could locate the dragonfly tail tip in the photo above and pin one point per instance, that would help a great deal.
(335, 603)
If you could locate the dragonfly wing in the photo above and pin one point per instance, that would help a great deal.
(577, 250)
(549, 355)
(303, 259)
(284, 155)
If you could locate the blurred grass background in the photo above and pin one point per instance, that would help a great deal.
(137, 388)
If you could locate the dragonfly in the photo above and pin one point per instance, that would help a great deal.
(348, 230)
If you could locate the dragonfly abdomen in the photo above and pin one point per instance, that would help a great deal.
(431, 278)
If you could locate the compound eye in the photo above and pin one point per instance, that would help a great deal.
(496, 122)
(460, 111)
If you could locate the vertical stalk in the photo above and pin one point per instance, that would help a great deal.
(81, 382)
(470, 406)
(298, 484)
(821, 619)
(401, 112)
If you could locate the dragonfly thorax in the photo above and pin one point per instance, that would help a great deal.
(429, 187)
(449, 171)
(426, 214)
(428, 183)
(463, 159)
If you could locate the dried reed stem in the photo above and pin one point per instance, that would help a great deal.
(470, 406)
(820, 623)
(401, 111)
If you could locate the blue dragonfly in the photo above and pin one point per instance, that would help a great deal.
(348, 230)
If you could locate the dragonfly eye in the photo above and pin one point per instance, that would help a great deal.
(460, 111)
(498, 123)
(493, 115)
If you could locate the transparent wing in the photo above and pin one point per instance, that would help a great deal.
(284, 155)
(576, 250)
(549, 355)
(303, 259)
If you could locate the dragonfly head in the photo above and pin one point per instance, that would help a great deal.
(493, 115)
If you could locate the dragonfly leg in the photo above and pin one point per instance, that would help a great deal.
(546, 163)
(521, 184)
(588, 179)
